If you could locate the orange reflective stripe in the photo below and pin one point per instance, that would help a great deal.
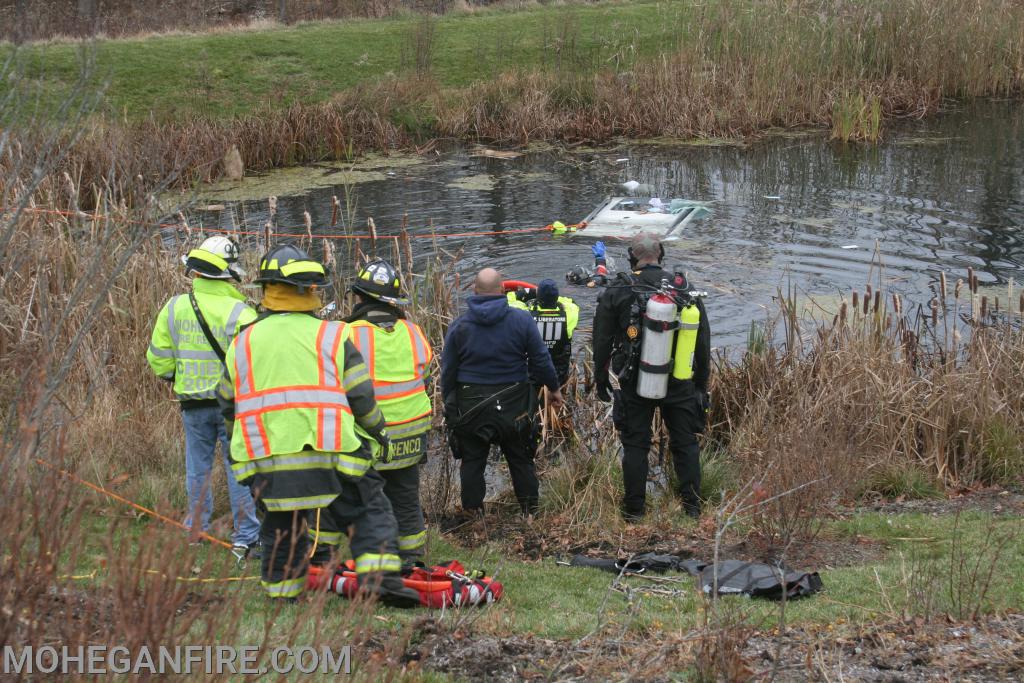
(254, 434)
(364, 341)
(420, 349)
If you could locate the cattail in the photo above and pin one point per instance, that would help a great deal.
(1020, 306)
(308, 220)
(335, 206)
(856, 300)
(272, 205)
(984, 307)
(842, 313)
(328, 253)
(878, 301)
(935, 312)
(956, 289)
(896, 304)
(974, 283)
(997, 304)
(942, 283)
(268, 234)
(867, 301)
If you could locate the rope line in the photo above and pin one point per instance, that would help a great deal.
(305, 234)
(111, 494)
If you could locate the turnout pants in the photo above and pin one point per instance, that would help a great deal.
(683, 418)
(510, 422)
(361, 511)
(402, 488)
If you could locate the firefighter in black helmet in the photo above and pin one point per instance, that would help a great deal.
(399, 358)
(618, 330)
(305, 424)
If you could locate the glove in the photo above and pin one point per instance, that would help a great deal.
(598, 250)
(453, 443)
(604, 391)
(384, 453)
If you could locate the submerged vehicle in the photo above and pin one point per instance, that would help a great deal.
(623, 217)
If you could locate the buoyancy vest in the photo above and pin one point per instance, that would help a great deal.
(178, 348)
(398, 359)
(291, 411)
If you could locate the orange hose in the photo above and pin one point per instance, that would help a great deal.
(110, 494)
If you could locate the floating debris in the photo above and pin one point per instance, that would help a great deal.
(478, 183)
(495, 153)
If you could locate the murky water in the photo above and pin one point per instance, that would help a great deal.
(942, 194)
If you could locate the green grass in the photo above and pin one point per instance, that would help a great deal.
(220, 75)
(552, 601)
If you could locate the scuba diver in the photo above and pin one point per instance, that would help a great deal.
(598, 277)
(652, 332)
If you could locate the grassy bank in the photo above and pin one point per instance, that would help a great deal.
(176, 104)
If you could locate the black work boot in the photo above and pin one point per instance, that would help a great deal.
(389, 589)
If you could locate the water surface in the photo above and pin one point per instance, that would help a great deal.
(789, 210)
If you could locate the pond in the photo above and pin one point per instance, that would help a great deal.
(790, 209)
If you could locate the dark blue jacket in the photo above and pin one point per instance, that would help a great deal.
(492, 343)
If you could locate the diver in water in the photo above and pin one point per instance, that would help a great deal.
(598, 277)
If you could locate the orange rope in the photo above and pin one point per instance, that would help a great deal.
(110, 494)
(304, 234)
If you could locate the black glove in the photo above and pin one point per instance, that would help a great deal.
(453, 442)
(703, 401)
(384, 454)
(604, 390)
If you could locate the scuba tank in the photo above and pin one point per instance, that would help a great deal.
(660, 322)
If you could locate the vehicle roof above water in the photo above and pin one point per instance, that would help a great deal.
(625, 216)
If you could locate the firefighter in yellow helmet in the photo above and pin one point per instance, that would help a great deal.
(398, 357)
(304, 418)
(187, 349)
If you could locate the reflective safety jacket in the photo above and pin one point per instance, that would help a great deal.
(398, 358)
(556, 326)
(297, 393)
(178, 349)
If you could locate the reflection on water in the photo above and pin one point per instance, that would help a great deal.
(938, 195)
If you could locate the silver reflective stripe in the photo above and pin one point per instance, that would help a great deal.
(363, 340)
(420, 345)
(281, 398)
(386, 391)
(689, 326)
(170, 320)
(242, 364)
(198, 395)
(252, 430)
(410, 428)
(280, 463)
(229, 329)
(328, 431)
(330, 363)
(161, 353)
(550, 330)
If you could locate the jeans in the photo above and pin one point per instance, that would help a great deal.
(204, 427)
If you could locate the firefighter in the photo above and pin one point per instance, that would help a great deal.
(300, 402)
(619, 329)
(398, 357)
(187, 348)
(557, 318)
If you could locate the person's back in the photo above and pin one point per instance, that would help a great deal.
(490, 355)
(187, 346)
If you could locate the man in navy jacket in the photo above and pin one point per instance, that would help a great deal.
(491, 354)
